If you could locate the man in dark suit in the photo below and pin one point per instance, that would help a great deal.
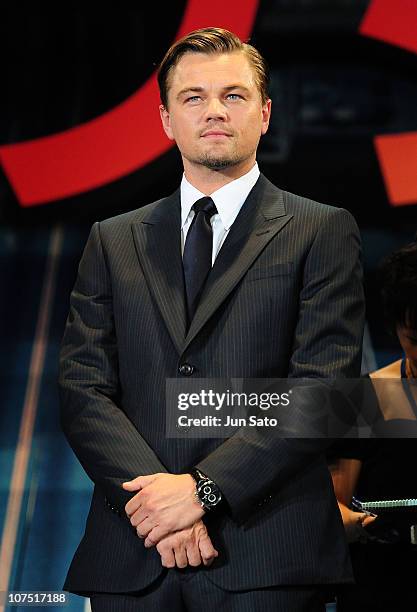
(228, 277)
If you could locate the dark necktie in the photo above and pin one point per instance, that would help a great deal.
(198, 252)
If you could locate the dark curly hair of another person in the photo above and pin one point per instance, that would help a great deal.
(398, 274)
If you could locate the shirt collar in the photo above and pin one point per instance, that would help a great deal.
(228, 199)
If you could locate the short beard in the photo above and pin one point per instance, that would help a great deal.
(217, 163)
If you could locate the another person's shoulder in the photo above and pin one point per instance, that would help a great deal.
(392, 370)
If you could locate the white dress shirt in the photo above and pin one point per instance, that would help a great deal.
(228, 200)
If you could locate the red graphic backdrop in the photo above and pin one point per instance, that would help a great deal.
(130, 136)
(395, 22)
(116, 143)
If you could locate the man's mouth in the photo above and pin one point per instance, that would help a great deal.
(215, 134)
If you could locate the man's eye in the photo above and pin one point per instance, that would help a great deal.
(234, 96)
(193, 99)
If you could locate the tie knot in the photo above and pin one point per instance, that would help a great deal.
(205, 205)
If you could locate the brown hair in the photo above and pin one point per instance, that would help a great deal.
(212, 40)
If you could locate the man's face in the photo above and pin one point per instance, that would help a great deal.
(215, 112)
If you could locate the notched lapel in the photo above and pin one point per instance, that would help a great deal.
(158, 244)
(262, 216)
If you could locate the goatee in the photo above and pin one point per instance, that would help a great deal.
(217, 163)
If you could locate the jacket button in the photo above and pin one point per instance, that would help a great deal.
(186, 369)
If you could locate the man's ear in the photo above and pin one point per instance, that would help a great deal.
(266, 115)
(166, 121)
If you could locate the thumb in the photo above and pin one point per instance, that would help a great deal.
(138, 483)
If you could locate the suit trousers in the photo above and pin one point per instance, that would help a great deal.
(189, 590)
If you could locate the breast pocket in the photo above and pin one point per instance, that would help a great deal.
(269, 271)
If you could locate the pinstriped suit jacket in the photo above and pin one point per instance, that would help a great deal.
(284, 298)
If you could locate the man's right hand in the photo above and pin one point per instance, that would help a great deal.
(190, 546)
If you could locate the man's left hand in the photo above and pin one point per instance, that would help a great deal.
(165, 503)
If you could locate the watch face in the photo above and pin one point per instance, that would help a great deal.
(209, 494)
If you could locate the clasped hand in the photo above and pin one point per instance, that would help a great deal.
(167, 515)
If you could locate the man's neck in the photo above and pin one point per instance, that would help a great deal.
(208, 181)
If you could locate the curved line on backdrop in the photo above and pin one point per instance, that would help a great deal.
(395, 23)
(117, 142)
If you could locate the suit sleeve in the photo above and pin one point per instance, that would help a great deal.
(252, 465)
(107, 444)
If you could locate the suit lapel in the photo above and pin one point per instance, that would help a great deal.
(262, 216)
(158, 243)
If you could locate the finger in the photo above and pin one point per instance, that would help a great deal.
(207, 562)
(156, 535)
(144, 528)
(168, 558)
(368, 518)
(180, 556)
(207, 550)
(133, 485)
(139, 503)
(133, 504)
(139, 516)
(193, 554)
(206, 545)
(138, 483)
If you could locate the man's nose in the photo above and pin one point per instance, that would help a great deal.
(215, 109)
